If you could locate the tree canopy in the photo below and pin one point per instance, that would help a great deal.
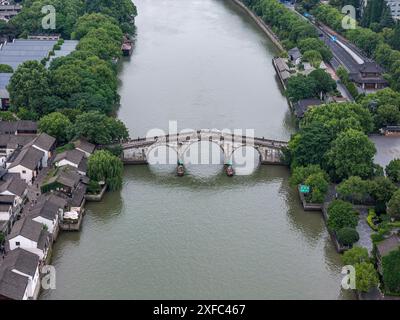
(351, 154)
(97, 128)
(340, 215)
(391, 271)
(56, 125)
(103, 166)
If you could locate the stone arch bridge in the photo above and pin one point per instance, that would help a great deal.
(138, 151)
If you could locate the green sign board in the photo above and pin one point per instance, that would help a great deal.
(304, 189)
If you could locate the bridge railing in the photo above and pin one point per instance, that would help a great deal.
(212, 135)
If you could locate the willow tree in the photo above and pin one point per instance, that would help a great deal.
(104, 166)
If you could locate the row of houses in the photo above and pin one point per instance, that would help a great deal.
(41, 193)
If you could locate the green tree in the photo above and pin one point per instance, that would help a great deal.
(313, 57)
(56, 125)
(382, 189)
(310, 145)
(29, 86)
(5, 68)
(301, 87)
(387, 115)
(124, 11)
(355, 255)
(394, 205)
(93, 21)
(393, 170)
(366, 277)
(99, 129)
(347, 236)
(319, 187)
(338, 117)
(391, 271)
(315, 44)
(341, 214)
(7, 116)
(354, 189)
(324, 82)
(103, 166)
(351, 155)
(300, 174)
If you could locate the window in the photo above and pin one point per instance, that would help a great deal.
(17, 243)
(23, 171)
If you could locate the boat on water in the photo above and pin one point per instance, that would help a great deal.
(127, 47)
(229, 170)
(180, 170)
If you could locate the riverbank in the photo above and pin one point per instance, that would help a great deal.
(166, 237)
(263, 26)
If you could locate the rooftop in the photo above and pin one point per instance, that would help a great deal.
(84, 145)
(14, 185)
(302, 106)
(29, 157)
(29, 229)
(45, 142)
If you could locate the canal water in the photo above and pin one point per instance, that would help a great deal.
(204, 64)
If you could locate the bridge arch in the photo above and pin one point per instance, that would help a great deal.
(191, 143)
(157, 145)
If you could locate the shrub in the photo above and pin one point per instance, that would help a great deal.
(341, 214)
(366, 276)
(370, 219)
(355, 255)
(391, 271)
(347, 236)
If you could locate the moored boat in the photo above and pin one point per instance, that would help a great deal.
(180, 170)
(127, 47)
(229, 170)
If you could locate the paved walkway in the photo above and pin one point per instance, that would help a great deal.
(364, 230)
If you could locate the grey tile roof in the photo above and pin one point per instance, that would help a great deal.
(45, 142)
(27, 228)
(29, 158)
(12, 141)
(68, 176)
(10, 127)
(84, 145)
(13, 184)
(301, 107)
(13, 285)
(21, 260)
(47, 207)
(294, 53)
(73, 156)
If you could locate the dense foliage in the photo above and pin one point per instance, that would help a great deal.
(355, 255)
(391, 271)
(366, 277)
(56, 125)
(347, 236)
(82, 83)
(340, 215)
(394, 205)
(99, 129)
(393, 170)
(317, 83)
(105, 167)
